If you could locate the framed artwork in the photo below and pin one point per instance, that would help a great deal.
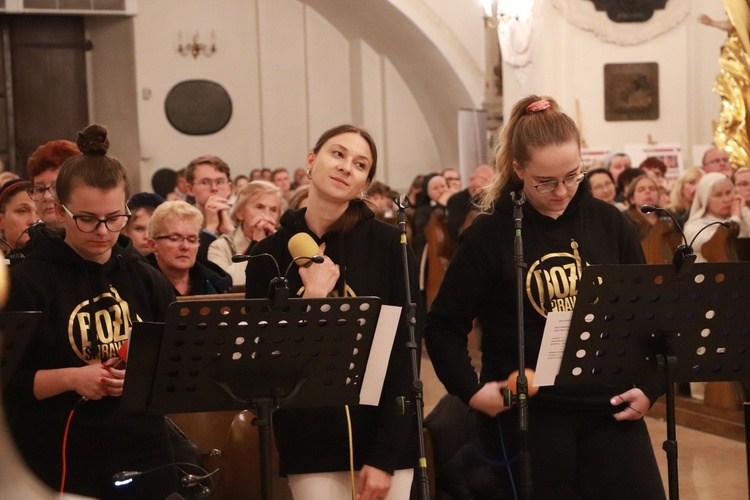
(631, 91)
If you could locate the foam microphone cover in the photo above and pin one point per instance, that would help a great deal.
(122, 352)
(303, 245)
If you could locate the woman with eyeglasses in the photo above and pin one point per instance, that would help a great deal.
(588, 442)
(174, 238)
(63, 402)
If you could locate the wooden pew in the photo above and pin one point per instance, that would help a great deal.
(722, 247)
(439, 253)
(227, 440)
(661, 241)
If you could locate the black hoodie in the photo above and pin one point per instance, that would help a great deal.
(315, 439)
(481, 283)
(54, 279)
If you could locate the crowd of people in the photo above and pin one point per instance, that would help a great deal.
(697, 197)
(95, 258)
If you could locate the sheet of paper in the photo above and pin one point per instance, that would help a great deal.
(380, 353)
(553, 346)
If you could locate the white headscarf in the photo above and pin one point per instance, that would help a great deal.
(703, 194)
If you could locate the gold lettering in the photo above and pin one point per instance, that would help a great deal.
(572, 277)
(84, 323)
(560, 281)
(539, 285)
(103, 324)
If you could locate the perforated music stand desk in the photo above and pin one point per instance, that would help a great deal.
(18, 329)
(216, 355)
(650, 324)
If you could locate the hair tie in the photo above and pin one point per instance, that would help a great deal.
(539, 105)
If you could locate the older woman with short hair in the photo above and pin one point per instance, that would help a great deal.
(255, 215)
(174, 238)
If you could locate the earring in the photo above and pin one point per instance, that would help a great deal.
(360, 197)
(309, 173)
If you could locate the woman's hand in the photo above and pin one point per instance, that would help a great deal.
(737, 203)
(319, 279)
(258, 228)
(217, 215)
(373, 483)
(638, 403)
(489, 399)
(114, 383)
(92, 381)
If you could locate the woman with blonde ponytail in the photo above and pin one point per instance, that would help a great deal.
(584, 442)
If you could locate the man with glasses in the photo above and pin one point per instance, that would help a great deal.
(208, 182)
(716, 160)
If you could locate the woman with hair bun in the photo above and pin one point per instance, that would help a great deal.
(63, 402)
(584, 442)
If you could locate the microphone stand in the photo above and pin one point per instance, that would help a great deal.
(684, 257)
(522, 383)
(412, 345)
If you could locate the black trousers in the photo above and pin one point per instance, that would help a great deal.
(575, 455)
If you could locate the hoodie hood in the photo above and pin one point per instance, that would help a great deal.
(49, 245)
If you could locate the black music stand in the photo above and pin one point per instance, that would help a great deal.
(18, 329)
(655, 324)
(214, 355)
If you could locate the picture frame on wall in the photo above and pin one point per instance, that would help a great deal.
(631, 91)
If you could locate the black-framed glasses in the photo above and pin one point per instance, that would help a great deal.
(36, 192)
(89, 223)
(178, 238)
(569, 181)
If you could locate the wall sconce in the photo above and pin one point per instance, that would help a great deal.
(195, 48)
(497, 12)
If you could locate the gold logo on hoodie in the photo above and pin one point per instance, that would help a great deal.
(105, 318)
(552, 281)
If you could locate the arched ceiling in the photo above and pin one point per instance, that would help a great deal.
(434, 82)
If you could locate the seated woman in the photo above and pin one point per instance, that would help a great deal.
(602, 185)
(17, 215)
(643, 190)
(255, 215)
(715, 200)
(683, 192)
(173, 236)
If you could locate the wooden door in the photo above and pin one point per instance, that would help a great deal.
(44, 70)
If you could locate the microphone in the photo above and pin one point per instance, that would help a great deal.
(682, 251)
(303, 247)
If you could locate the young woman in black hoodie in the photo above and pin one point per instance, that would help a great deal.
(91, 286)
(362, 257)
(584, 443)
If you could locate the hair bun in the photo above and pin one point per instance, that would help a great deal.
(93, 140)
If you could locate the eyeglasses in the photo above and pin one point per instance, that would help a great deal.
(211, 182)
(718, 160)
(36, 193)
(89, 223)
(178, 238)
(448, 179)
(569, 181)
